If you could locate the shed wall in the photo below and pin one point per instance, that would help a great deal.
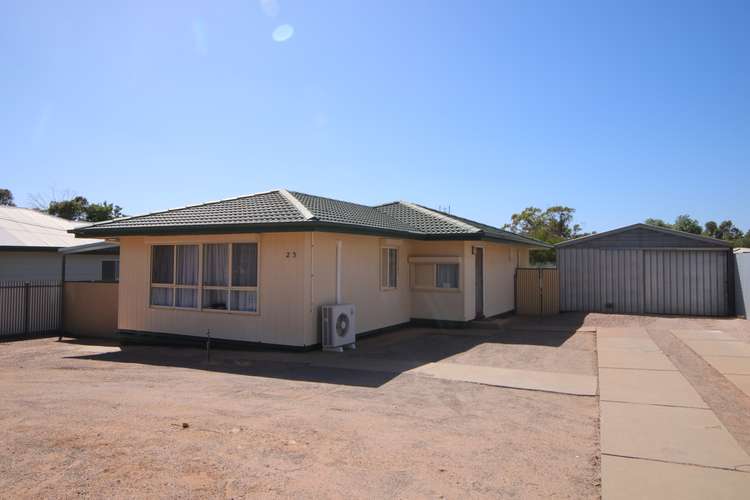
(742, 282)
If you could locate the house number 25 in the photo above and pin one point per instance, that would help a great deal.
(291, 254)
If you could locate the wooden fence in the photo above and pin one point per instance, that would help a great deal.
(90, 309)
(537, 291)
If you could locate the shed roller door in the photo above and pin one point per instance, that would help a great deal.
(686, 282)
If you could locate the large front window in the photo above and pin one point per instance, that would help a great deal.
(213, 276)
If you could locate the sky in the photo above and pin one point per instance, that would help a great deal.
(621, 110)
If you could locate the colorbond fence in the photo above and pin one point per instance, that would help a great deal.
(30, 308)
(537, 291)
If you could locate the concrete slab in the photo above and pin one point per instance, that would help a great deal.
(564, 383)
(632, 343)
(628, 478)
(682, 435)
(741, 381)
(630, 358)
(720, 347)
(730, 364)
(702, 335)
(648, 387)
(634, 331)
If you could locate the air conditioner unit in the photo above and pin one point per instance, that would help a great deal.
(338, 327)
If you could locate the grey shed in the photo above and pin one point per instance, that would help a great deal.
(643, 269)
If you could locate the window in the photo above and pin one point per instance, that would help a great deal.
(110, 270)
(388, 267)
(435, 273)
(174, 276)
(446, 275)
(214, 276)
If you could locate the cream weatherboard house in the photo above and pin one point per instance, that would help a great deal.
(258, 268)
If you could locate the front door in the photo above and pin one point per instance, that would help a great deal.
(479, 281)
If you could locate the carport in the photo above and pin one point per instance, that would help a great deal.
(643, 269)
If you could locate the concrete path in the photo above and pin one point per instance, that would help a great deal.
(563, 383)
(659, 439)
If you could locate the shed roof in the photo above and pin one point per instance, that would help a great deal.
(281, 210)
(28, 229)
(676, 239)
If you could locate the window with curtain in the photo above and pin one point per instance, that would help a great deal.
(174, 276)
(216, 276)
(446, 275)
(388, 267)
(244, 285)
(435, 275)
(228, 280)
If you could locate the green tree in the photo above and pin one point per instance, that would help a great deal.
(710, 228)
(551, 226)
(658, 223)
(6, 198)
(687, 224)
(79, 209)
(97, 212)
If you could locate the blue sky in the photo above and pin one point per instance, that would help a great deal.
(622, 110)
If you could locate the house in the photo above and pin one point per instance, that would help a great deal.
(258, 268)
(33, 245)
(644, 269)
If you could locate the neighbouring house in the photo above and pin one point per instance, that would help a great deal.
(258, 268)
(33, 246)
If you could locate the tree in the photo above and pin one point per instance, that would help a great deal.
(6, 198)
(710, 228)
(728, 231)
(551, 226)
(78, 208)
(658, 223)
(686, 224)
(97, 212)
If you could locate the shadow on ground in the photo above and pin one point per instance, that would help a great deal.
(377, 359)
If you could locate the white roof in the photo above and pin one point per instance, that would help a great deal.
(25, 227)
(742, 250)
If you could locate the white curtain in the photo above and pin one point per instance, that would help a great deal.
(161, 296)
(447, 275)
(245, 264)
(216, 264)
(187, 264)
(244, 301)
(215, 299)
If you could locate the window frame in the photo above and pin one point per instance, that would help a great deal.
(386, 265)
(433, 262)
(200, 287)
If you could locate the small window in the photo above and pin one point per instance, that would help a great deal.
(110, 270)
(389, 267)
(427, 275)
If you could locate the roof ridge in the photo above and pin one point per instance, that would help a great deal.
(296, 203)
(442, 216)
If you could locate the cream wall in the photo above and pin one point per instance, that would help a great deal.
(447, 305)
(360, 281)
(281, 294)
(298, 275)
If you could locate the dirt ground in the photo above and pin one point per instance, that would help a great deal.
(86, 419)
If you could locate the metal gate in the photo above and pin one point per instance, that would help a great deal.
(537, 291)
(30, 308)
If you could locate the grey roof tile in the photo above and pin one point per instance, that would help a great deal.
(300, 210)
